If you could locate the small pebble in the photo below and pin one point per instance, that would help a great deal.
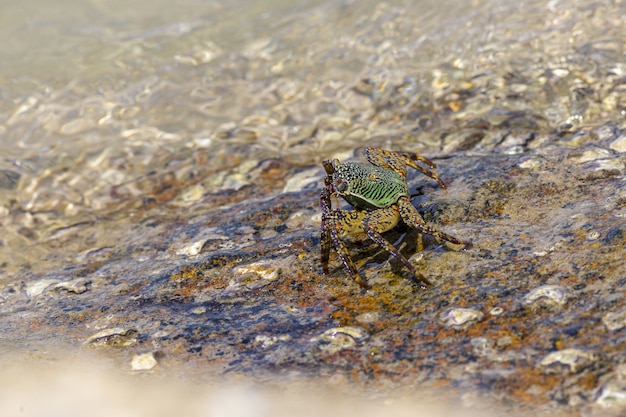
(192, 249)
(529, 163)
(619, 144)
(496, 311)
(610, 165)
(193, 194)
(504, 341)
(573, 360)
(116, 336)
(76, 286)
(263, 269)
(611, 394)
(547, 295)
(143, 362)
(482, 347)
(593, 235)
(160, 334)
(460, 317)
(267, 341)
(37, 288)
(339, 338)
(198, 310)
(614, 320)
(370, 317)
(592, 155)
(560, 72)
(301, 180)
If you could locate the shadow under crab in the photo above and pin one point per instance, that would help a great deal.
(380, 196)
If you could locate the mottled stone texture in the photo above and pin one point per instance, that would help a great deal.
(201, 249)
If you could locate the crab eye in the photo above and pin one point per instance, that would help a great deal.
(341, 185)
(329, 167)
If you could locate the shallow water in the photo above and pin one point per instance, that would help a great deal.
(106, 103)
(160, 171)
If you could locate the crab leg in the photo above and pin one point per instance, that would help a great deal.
(411, 217)
(336, 225)
(325, 203)
(385, 159)
(379, 221)
(409, 159)
(398, 161)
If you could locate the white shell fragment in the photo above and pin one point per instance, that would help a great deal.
(529, 163)
(339, 338)
(489, 349)
(254, 275)
(611, 394)
(369, 317)
(261, 269)
(192, 249)
(547, 295)
(619, 144)
(267, 341)
(143, 362)
(76, 286)
(460, 317)
(37, 288)
(496, 311)
(115, 336)
(574, 360)
(299, 181)
(614, 320)
(592, 155)
(483, 347)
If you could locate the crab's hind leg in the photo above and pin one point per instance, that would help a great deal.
(412, 218)
(410, 159)
(379, 221)
(398, 161)
(385, 159)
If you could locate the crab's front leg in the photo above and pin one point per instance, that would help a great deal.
(337, 224)
(325, 204)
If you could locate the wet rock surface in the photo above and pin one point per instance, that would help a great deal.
(201, 257)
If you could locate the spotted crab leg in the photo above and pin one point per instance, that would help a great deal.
(325, 204)
(411, 217)
(409, 159)
(398, 161)
(335, 225)
(340, 223)
(380, 221)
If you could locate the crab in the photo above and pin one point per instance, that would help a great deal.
(380, 196)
